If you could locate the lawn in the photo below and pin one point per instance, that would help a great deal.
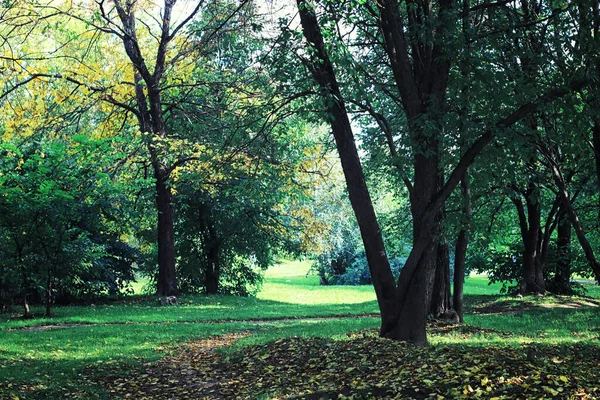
(110, 350)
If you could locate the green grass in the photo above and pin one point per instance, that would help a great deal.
(62, 363)
(287, 293)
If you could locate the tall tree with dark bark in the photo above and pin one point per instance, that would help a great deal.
(420, 69)
(150, 67)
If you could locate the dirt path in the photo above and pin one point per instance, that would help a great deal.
(187, 374)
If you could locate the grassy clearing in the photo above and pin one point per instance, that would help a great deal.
(287, 293)
(44, 362)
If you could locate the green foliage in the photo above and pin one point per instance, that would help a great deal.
(57, 224)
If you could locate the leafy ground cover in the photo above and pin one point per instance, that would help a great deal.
(366, 366)
(299, 340)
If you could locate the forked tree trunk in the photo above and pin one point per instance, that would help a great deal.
(422, 87)
(414, 304)
(151, 121)
(411, 323)
(530, 225)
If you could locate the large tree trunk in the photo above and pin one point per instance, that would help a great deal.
(532, 280)
(414, 305)
(411, 323)
(149, 113)
(422, 87)
(322, 71)
(404, 308)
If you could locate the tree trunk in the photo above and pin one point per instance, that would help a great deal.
(49, 295)
(322, 71)
(566, 203)
(411, 323)
(441, 306)
(532, 280)
(151, 121)
(211, 248)
(440, 298)
(167, 279)
(211, 280)
(460, 253)
(26, 310)
(414, 304)
(561, 283)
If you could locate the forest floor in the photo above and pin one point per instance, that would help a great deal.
(296, 340)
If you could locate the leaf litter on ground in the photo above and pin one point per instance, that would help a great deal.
(365, 367)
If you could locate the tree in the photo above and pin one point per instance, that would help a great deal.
(420, 67)
(155, 80)
(55, 223)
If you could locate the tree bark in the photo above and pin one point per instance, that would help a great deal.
(167, 280)
(440, 299)
(151, 121)
(530, 226)
(322, 71)
(561, 283)
(533, 280)
(566, 203)
(211, 249)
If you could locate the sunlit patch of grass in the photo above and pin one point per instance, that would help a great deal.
(480, 285)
